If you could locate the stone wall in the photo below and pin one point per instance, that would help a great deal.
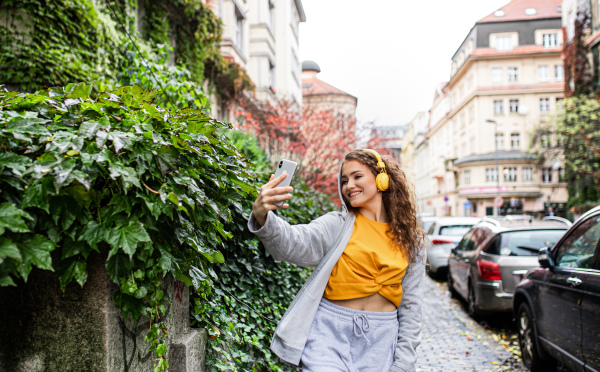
(43, 329)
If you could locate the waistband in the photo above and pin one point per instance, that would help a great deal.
(345, 311)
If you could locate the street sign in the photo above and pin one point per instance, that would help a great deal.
(467, 205)
(498, 201)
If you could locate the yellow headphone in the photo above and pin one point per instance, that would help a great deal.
(383, 180)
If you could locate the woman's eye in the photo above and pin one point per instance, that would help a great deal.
(344, 182)
(357, 177)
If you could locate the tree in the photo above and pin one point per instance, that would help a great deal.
(574, 135)
(316, 138)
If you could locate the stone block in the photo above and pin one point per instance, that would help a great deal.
(43, 329)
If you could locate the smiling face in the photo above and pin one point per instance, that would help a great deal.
(358, 185)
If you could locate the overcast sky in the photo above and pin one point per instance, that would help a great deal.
(389, 53)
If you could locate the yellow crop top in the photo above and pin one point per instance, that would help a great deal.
(368, 265)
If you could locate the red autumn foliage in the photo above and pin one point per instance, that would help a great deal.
(317, 139)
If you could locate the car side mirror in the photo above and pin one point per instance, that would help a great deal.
(545, 259)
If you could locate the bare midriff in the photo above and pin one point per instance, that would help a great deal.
(374, 302)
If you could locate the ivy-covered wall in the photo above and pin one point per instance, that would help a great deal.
(53, 43)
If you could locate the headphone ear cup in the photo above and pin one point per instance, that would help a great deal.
(382, 181)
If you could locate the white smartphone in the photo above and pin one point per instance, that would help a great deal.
(290, 168)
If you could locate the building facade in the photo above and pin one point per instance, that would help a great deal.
(506, 78)
(262, 36)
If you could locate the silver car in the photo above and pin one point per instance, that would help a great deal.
(443, 235)
(494, 256)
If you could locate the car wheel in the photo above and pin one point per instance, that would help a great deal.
(528, 342)
(472, 303)
(453, 292)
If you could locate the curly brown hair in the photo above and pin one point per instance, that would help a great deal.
(399, 202)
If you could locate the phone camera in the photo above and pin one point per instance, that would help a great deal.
(280, 164)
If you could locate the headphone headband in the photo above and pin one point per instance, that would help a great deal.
(380, 162)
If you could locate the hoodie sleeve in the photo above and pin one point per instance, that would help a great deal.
(410, 316)
(302, 245)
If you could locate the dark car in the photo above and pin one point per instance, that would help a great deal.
(557, 306)
(494, 256)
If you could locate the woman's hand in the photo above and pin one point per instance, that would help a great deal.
(268, 195)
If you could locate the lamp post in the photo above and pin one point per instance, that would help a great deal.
(496, 209)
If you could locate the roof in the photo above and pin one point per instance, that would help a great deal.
(502, 155)
(313, 87)
(310, 66)
(515, 11)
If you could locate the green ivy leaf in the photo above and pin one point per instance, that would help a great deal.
(127, 238)
(130, 305)
(80, 90)
(9, 249)
(93, 233)
(35, 250)
(11, 218)
(70, 268)
(118, 266)
(37, 193)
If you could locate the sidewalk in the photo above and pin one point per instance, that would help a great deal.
(452, 341)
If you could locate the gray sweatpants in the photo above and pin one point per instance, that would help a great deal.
(343, 339)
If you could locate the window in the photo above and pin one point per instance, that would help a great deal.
(467, 177)
(543, 73)
(578, 248)
(271, 18)
(238, 29)
(544, 104)
(527, 174)
(514, 105)
(513, 74)
(561, 174)
(559, 73)
(523, 243)
(570, 25)
(550, 40)
(491, 175)
(271, 75)
(510, 174)
(496, 75)
(500, 141)
(545, 140)
(498, 107)
(504, 43)
(515, 141)
(546, 175)
(559, 104)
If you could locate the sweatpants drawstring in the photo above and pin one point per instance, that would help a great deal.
(363, 326)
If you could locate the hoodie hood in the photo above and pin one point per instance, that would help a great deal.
(344, 207)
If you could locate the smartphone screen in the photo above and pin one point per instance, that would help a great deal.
(289, 167)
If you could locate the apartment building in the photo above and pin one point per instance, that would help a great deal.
(417, 125)
(263, 37)
(506, 78)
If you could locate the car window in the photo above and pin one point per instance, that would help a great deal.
(427, 225)
(431, 229)
(462, 246)
(454, 230)
(579, 247)
(474, 238)
(523, 243)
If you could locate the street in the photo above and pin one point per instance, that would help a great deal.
(452, 341)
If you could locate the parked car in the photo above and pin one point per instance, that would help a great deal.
(557, 306)
(426, 220)
(443, 235)
(494, 256)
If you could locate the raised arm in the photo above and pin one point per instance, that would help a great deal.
(302, 245)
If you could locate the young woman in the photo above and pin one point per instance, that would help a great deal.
(360, 310)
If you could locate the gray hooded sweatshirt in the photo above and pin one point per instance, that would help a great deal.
(321, 243)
